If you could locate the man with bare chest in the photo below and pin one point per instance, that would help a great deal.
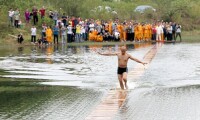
(122, 70)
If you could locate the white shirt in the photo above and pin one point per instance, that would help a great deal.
(82, 30)
(169, 29)
(159, 29)
(11, 13)
(69, 30)
(178, 30)
(33, 31)
(91, 26)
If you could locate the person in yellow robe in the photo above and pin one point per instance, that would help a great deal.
(99, 38)
(124, 32)
(49, 34)
(136, 32)
(91, 36)
(145, 37)
(95, 32)
(140, 32)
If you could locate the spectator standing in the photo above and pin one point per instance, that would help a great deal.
(83, 32)
(10, 17)
(154, 32)
(33, 34)
(64, 34)
(42, 12)
(55, 34)
(35, 15)
(49, 34)
(44, 28)
(169, 32)
(50, 14)
(16, 17)
(178, 31)
(159, 31)
(78, 33)
(55, 17)
(173, 30)
(27, 16)
(69, 33)
(64, 20)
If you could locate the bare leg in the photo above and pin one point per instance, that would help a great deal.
(124, 78)
(121, 81)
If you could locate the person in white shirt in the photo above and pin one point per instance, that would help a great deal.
(91, 26)
(159, 31)
(178, 32)
(33, 34)
(169, 32)
(10, 17)
(69, 33)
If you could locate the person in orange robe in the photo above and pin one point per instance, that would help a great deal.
(49, 34)
(124, 31)
(140, 32)
(136, 32)
(95, 32)
(145, 37)
(99, 38)
(91, 36)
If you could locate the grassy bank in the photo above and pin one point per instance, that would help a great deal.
(191, 36)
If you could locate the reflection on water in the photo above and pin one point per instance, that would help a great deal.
(70, 65)
(121, 97)
(25, 101)
(57, 82)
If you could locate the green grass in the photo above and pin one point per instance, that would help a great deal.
(191, 36)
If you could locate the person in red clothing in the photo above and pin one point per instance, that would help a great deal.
(42, 12)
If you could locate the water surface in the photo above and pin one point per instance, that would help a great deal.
(57, 82)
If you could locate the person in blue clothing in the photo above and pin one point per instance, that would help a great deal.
(55, 34)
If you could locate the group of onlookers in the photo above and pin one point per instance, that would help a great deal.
(15, 19)
(75, 29)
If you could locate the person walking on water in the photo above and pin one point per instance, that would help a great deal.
(122, 70)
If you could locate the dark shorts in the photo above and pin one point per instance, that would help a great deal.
(120, 71)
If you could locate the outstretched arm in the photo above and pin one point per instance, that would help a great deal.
(132, 58)
(105, 54)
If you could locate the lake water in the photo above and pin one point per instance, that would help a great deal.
(56, 82)
(169, 88)
(67, 82)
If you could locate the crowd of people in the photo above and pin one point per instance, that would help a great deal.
(66, 29)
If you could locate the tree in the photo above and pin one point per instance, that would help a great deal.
(170, 10)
